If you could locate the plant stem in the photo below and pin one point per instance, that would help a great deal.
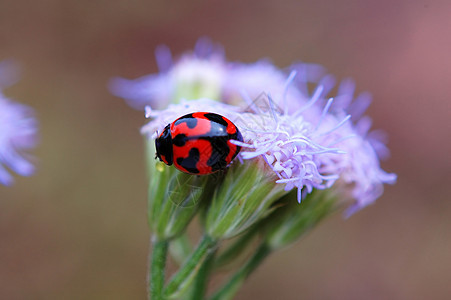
(185, 275)
(229, 289)
(236, 249)
(200, 284)
(157, 268)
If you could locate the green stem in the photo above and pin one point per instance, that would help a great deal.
(199, 287)
(236, 249)
(229, 289)
(157, 268)
(185, 275)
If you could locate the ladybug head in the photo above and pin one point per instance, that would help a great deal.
(163, 145)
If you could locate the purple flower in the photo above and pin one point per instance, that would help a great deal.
(289, 144)
(205, 73)
(308, 148)
(202, 70)
(18, 132)
(310, 138)
(359, 169)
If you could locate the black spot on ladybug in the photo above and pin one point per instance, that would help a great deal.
(189, 163)
(179, 140)
(216, 118)
(189, 120)
(220, 151)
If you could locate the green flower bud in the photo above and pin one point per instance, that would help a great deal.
(243, 198)
(174, 197)
(288, 223)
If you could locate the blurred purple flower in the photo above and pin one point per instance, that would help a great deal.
(18, 131)
(203, 67)
(207, 70)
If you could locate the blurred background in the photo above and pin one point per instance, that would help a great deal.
(77, 229)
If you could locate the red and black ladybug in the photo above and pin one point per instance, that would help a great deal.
(198, 143)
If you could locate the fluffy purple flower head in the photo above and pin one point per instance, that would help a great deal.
(306, 148)
(360, 168)
(310, 138)
(290, 145)
(203, 69)
(18, 132)
(207, 73)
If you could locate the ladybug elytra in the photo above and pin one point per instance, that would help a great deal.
(198, 143)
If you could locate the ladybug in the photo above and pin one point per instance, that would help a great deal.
(198, 143)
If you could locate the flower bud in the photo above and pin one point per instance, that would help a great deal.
(173, 197)
(196, 78)
(243, 198)
(288, 223)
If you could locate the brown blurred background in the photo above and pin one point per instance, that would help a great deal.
(77, 229)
